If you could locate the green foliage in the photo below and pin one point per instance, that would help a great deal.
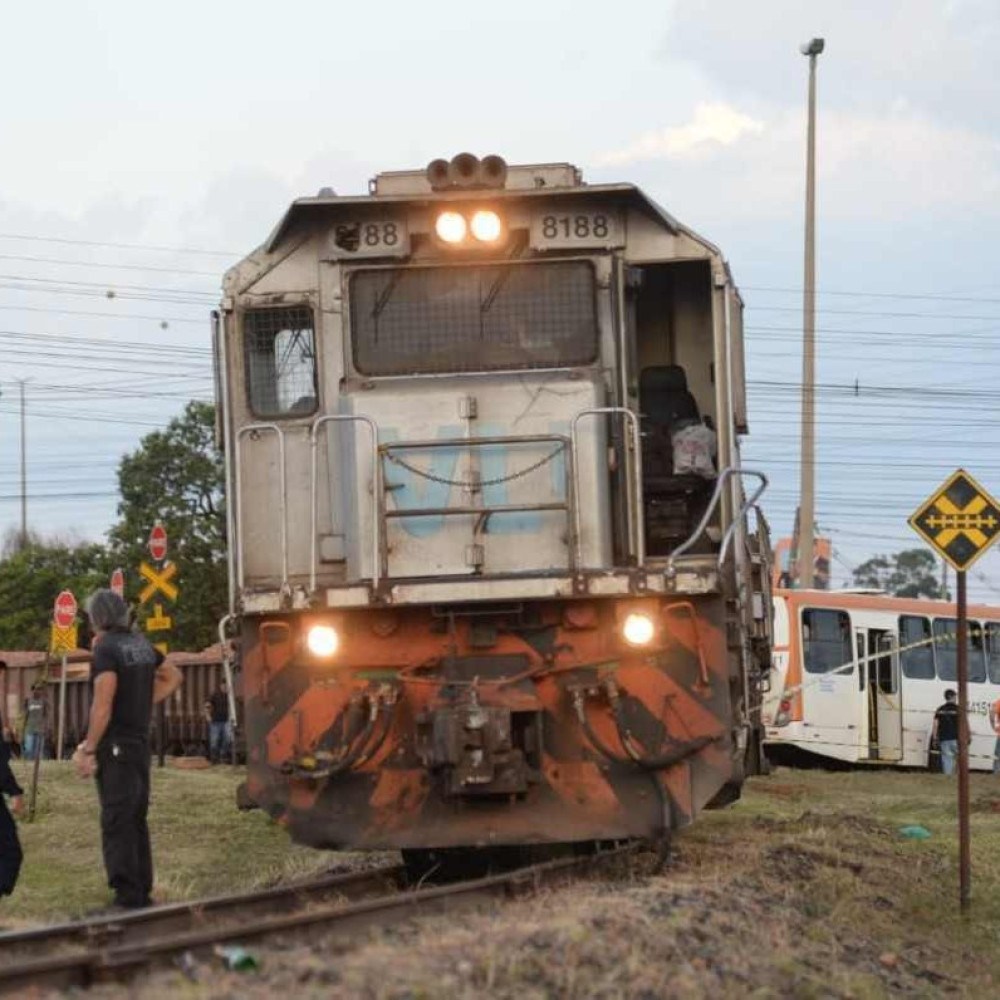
(177, 476)
(30, 579)
(911, 573)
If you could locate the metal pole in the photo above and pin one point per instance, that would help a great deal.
(39, 744)
(964, 859)
(61, 727)
(807, 502)
(24, 477)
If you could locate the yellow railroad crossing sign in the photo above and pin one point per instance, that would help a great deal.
(960, 520)
(62, 640)
(158, 580)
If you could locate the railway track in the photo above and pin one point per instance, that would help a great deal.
(117, 947)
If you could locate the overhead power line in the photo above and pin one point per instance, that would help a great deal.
(118, 246)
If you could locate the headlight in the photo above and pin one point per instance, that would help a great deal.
(486, 226)
(322, 640)
(450, 227)
(638, 629)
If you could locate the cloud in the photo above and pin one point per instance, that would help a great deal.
(875, 168)
(713, 125)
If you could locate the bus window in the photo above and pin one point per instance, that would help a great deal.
(993, 651)
(280, 361)
(917, 660)
(946, 650)
(826, 641)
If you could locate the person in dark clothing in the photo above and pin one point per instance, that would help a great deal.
(128, 676)
(10, 846)
(945, 731)
(6, 734)
(220, 732)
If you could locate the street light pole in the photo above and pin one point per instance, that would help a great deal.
(24, 478)
(807, 485)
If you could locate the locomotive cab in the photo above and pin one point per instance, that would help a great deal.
(490, 546)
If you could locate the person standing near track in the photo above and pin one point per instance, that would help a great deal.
(995, 723)
(220, 730)
(128, 676)
(945, 731)
(10, 846)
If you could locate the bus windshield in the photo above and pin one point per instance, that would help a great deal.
(484, 317)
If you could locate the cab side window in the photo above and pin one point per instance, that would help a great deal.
(826, 641)
(280, 350)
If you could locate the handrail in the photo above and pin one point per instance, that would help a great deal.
(256, 429)
(227, 669)
(633, 421)
(744, 510)
(724, 475)
(317, 424)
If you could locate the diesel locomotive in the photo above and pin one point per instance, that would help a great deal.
(497, 573)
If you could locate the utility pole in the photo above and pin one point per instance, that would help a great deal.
(807, 486)
(24, 477)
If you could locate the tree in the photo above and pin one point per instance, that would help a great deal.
(30, 578)
(910, 573)
(177, 476)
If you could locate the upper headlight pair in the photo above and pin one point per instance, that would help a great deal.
(452, 227)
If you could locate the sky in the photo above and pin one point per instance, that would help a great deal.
(146, 149)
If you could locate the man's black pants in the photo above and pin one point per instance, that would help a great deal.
(123, 788)
(10, 851)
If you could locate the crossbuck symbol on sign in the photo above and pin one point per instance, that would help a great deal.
(158, 581)
(954, 521)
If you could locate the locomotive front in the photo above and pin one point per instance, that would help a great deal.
(489, 546)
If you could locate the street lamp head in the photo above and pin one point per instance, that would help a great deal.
(813, 48)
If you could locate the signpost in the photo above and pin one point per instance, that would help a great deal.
(62, 641)
(118, 582)
(960, 520)
(158, 589)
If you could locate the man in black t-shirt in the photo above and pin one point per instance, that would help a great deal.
(128, 676)
(946, 731)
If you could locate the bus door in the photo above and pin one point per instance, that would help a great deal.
(878, 652)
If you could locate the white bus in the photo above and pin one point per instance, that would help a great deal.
(857, 676)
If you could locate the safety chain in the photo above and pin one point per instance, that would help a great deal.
(520, 474)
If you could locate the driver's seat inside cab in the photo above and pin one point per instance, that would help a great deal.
(678, 468)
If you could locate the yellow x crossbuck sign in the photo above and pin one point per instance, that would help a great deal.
(158, 581)
(961, 520)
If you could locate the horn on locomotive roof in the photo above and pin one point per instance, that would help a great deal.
(437, 174)
(493, 171)
(463, 171)
(467, 171)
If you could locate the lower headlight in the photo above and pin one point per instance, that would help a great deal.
(638, 629)
(322, 640)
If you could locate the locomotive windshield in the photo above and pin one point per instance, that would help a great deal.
(484, 317)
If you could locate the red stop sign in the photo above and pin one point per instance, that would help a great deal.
(118, 582)
(158, 542)
(64, 613)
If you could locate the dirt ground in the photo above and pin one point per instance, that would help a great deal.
(806, 888)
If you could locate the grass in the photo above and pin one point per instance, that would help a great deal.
(202, 844)
(805, 888)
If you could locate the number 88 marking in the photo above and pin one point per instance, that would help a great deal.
(381, 234)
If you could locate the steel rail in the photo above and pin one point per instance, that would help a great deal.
(101, 963)
(68, 944)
